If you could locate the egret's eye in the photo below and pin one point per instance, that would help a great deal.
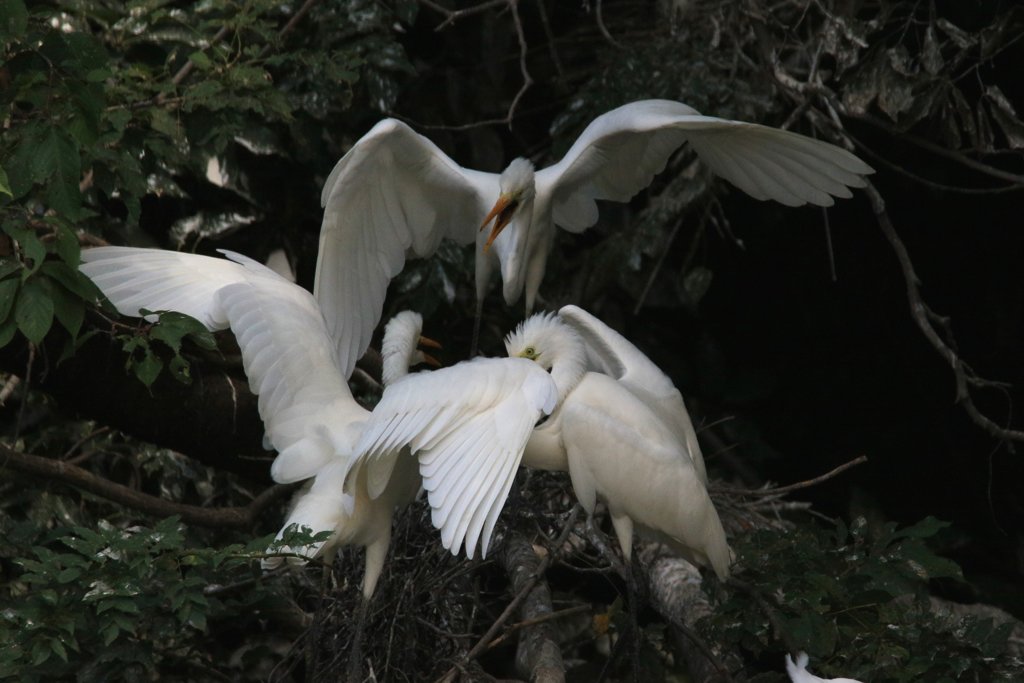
(530, 351)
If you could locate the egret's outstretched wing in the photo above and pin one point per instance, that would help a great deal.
(393, 195)
(304, 401)
(307, 408)
(621, 151)
(610, 353)
(160, 280)
(468, 425)
(620, 451)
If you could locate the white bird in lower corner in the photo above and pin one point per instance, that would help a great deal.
(308, 411)
(798, 672)
(396, 195)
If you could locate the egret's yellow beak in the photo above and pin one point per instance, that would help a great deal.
(427, 358)
(501, 214)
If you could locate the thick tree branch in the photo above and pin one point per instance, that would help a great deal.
(214, 419)
(538, 654)
(524, 590)
(64, 472)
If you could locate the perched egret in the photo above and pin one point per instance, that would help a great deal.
(307, 409)
(395, 195)
(466, 425)
(798, 672)
(616, 447)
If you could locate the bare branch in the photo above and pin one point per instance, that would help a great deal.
(782, 490)
(233, 517)
(524, 590)
(924, 317)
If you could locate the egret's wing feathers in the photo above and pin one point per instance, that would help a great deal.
(614, 355)
(468, 425)
(308, 411)
(620, 450)
(393, 195)
(134, 278)
(304, 401)
(611, 353)
(621, 151)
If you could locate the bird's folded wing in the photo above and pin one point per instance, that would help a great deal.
(393, 194)
(611, 353)
(621, 151)
(468, 426)
(134, 278)
(620, 450)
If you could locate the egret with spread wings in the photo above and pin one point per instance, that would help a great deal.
(472, 424)
(396, 195)
(308, 411)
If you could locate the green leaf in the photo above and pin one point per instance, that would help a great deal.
(174, 326)
(33, 252)
(67, 246)
(73, 280)
(69, 309)
(33, 311)
(147, 368)
(181, 369)
(200, 60)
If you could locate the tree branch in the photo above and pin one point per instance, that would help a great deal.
(923, 316)
(59, 470)
(524, 590)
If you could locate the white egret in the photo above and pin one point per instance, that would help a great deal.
(305, 403)
(395, 195)
(616, 447)
(466, 424)
(798, 672)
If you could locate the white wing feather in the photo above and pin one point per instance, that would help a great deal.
(306, 406)
(393, 195)
(468, 425)
(614, 355)
(621, 151)
(155, 279)
(620, 451)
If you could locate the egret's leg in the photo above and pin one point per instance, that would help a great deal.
(476, 326)
(376, 553)
(623, 526)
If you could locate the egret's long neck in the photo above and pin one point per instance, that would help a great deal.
(511, 248)
(569, 366)
(398, 350)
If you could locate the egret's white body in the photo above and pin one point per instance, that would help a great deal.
(395, 195)
(308, 411)
(472, 424)
(798, 672)
(615, 445)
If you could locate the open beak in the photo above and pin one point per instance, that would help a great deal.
(501, 214)
(431, 344)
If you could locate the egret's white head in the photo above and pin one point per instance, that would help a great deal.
(517, 192)
(400, 348)
(546, 339)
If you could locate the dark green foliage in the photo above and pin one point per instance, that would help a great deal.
(857, 600)
(116, 603)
